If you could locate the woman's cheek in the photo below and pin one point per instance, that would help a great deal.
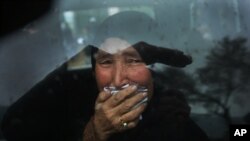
(140, 75)
(103, 78)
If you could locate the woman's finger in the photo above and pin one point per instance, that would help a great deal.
(119, 97)
(103, 96)
(131, 102)
(134, 114)
(125, 125)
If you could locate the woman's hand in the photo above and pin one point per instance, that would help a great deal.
(117, 113)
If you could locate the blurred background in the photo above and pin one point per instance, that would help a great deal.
(38, 36)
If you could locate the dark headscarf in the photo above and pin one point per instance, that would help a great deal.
(139, 30)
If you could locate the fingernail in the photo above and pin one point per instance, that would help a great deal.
(144, 94)
(125, 86)
(134, 87)
(140, 118)
(105, 89)
(145, 100)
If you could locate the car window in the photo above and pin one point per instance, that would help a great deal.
(215, 33)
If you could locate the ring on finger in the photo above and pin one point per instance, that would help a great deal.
(124, 124)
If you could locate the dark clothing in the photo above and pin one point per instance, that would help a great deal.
(59, 107)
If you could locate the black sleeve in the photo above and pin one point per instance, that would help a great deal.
(39, 114)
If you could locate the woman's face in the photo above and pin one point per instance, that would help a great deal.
(117, 64)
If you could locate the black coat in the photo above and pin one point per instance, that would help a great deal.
(59, 107)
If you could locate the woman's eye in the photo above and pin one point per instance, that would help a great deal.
(106, 62)
(134, 61)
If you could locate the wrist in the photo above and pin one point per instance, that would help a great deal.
(90, 133)
(100, 135)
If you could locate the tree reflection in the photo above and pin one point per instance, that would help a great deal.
(225, 75)
(220, 83)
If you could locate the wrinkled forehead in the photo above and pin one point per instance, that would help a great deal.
(114, 45)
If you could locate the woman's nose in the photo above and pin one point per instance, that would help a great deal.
(120, 75)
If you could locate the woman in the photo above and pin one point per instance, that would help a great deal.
(120, 101)
(116, 64)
